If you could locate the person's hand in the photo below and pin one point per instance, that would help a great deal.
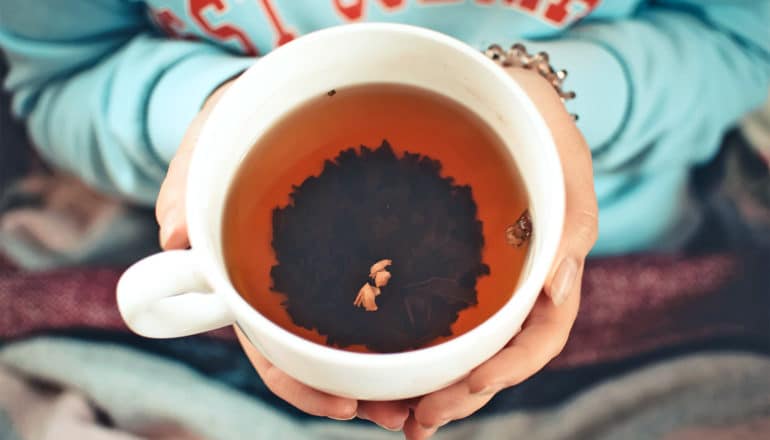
(170, 213)
(388, 415)
(545, 332)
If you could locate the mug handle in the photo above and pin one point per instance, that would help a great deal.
(166, 296)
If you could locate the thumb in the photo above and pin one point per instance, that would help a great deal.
(581, 213)
(577, 240)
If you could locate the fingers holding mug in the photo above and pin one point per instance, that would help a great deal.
(170, 206)
(299, 395)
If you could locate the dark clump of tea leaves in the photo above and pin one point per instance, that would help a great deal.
(366, 206)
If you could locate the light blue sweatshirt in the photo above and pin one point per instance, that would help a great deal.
(108, 87)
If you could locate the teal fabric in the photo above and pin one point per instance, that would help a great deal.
(707, 390)
(7, 432)
(107, 94)
(133, 387)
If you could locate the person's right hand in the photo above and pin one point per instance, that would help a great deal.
(170, 212)
(545, 332)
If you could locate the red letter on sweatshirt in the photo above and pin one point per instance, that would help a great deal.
(223, 32)
(528, 5)
(353, 10)
(438, 2)
(558, 12)
(284, 35)
(172, 25)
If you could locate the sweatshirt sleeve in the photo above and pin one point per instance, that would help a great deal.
(102, 95)
(659, 89)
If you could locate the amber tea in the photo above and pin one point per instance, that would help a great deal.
(377, 218)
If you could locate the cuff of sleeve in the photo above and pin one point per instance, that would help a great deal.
(600, 84)
(180, 94)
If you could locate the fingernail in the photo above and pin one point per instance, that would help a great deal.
(394, 428)
(438, 425)
(344, 418)
(563, 281)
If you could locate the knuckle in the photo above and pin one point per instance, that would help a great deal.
(430, 419)
(510, 380)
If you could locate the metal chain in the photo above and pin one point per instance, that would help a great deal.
(517, 56)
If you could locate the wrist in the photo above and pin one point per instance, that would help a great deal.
(542, 94)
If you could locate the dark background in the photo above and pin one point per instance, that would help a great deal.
(14, 155)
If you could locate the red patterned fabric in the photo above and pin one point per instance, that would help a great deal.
(633, 305)
(630, 306)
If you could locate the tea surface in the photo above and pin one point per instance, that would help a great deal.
(411, 120)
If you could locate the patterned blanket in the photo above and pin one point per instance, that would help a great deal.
(631, 305)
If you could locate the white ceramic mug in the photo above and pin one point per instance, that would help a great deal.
(179, 293)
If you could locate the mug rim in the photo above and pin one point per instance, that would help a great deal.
(243, 311)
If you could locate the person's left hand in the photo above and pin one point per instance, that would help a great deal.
(388, 415)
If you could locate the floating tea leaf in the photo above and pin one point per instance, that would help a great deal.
(364, 206)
